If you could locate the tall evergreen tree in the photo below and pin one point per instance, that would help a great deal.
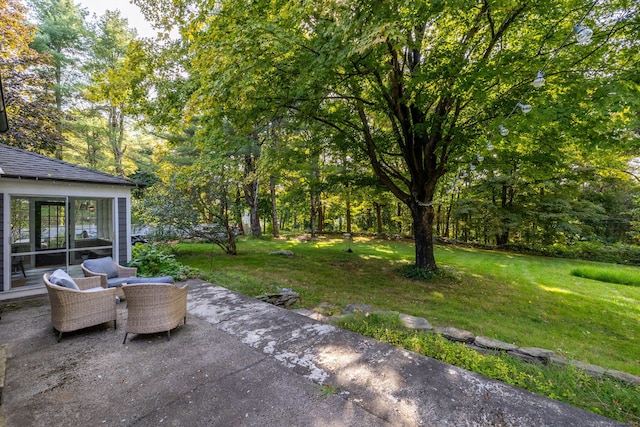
(62, 35)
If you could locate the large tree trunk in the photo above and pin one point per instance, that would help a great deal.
(314, 211)
(116, 137)
(378, 208)
(274, 210)
(58, 96)
(238, 212)
(348, 209)
(502, 238)
(251, 186)
(423, 232)
(320, 216)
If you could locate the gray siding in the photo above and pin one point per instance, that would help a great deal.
(122, 231)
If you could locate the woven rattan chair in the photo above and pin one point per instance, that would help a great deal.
(76, 309)
(122, 274)
(154, 307)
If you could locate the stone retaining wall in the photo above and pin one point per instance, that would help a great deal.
(484, 344)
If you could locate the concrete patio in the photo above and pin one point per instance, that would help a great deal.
(242, 362)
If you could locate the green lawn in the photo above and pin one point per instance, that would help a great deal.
(529, 301)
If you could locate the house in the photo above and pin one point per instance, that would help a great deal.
(55, 214)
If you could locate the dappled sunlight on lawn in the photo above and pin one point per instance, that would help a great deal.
(556, 290)
(371, 257)
(384, 249)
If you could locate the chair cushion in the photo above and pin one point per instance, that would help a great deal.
(116, 282)
(159, 279)
(61, 278)
(102, 265)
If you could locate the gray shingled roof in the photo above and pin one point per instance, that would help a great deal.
(17, 163)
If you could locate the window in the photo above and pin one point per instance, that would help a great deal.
(57, 232)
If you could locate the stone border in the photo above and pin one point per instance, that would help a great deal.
(480, 343)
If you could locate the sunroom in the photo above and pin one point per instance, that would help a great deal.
(54, 215)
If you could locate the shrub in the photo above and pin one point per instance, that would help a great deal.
(608, 275)
(156, 260)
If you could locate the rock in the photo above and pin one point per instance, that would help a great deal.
(311, 314)
(455, 334)
(558, 360)
(358, 308)
(532, 354)
(414, 322)
(285, 298)
(303, 312)
(622, 376)
(482, 350)
(282, 252)
(327, 308)
(536, 352)
(593, 370)
(494, 344)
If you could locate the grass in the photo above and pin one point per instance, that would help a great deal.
(600, 395)
(628, 276)
(525, 300)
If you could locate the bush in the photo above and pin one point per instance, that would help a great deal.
(156, 260)
(621, 277)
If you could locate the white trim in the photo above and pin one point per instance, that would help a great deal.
(11, 187)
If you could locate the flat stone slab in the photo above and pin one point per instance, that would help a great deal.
(414, 322)
(532, 354)
(622, 376)
(593, 370)
(494, 344)
(455, 334)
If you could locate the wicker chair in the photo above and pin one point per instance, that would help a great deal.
(154, 307)
(72, 310)
(122, 273)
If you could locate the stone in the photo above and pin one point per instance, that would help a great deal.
(358, 308)
(494, 344)
(523, 357)
(326, 308)
(593, 370)
(413, 322)
(286, 298)
(455, 334)
(303, 312)
(558, 360)
(622, 376)
(282, 252)
(532, 354)
(482, 350)
(311, 314)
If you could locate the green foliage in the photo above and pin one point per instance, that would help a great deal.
(157, 260)
(27, 82)
(411, 272)
(604, 396)
(619, 253)
(327, 390)
(622, 277)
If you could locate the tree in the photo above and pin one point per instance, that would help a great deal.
(415, 85)
(114, 78)
(29, 102)
(62, 35)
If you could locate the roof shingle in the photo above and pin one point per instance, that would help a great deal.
(17, 163)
